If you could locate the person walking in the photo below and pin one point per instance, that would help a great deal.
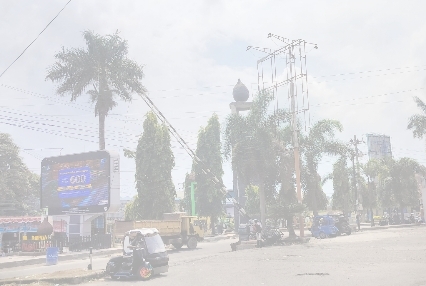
(258, 228)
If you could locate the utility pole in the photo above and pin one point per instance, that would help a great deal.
(355, 168)
(296, 143)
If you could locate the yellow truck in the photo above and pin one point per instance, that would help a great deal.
(176, 229)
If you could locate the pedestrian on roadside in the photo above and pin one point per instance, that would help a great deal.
(258, 228)
(220, 228)
(358, 223)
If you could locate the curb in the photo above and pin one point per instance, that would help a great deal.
(42, 260)
(217, 238)
(390, 226)
(60, 280)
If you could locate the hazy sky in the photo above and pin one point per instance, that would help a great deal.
(369, 65)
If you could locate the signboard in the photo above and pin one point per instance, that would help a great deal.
(59, 226)
(18, 227)
(379, 146)
(52, 256)
(80, 183)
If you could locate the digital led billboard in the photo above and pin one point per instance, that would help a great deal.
(79, 183)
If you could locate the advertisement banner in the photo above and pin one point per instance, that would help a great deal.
(59, 226)
(379, 146)
(76, 184)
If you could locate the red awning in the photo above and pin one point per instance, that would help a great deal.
(23, 219)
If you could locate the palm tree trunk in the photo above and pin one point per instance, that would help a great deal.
(262, 200)
(101, 131)
(212, 225)
(290, 227)
(314, 203)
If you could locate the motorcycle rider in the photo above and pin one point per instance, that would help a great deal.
(135, 244)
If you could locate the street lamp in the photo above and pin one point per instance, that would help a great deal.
(240, 94)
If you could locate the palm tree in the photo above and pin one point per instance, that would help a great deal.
(319, 141)
(372, 170)
(417, 122)
(257, 152)
(102, 70)
(342, 190)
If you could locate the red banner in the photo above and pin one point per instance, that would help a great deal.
(59, 226)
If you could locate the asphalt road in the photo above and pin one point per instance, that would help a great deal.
(384, 257)
(182, 256)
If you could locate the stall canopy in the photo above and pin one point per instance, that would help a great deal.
(19, 224)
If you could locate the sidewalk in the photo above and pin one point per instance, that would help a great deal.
(40, 258)
(17, 260)
(75, 276)
(367, 226)
(220, 237)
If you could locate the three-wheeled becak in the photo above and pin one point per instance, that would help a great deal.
(144, 255)
(324, 226)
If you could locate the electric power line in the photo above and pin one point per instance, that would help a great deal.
(35, 39)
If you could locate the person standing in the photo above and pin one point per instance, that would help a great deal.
(358, 223)
(258, 228)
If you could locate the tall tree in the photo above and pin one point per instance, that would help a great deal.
(19, 188)
(154, 163)
(342, 188)
(417, 122)
(252, 203)
(208, 195)
(397, 186)
(258, 144)
(319, 141)
(371, 170)
(102, 70)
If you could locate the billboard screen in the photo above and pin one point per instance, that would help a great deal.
(379, 146)
(78, 183)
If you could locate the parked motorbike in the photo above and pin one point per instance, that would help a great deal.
(272, 236)
(384, 221)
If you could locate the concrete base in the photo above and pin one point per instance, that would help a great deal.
(246, 245)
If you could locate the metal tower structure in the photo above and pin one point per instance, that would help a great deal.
(295, 75)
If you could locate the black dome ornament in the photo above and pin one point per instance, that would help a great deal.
(240, 92)
(45, 228)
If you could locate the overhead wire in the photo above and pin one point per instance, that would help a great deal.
(48, 24)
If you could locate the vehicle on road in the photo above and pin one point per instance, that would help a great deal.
(176, 229)
(342, 224)
(144, 255)
(324, 226)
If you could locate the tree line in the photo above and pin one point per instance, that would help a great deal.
(259, 145)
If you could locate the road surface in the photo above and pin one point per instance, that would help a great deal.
(384, 257)
(381, 257)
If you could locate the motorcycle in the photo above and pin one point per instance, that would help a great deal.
(272, 236)
(342, 225)
(148, 258)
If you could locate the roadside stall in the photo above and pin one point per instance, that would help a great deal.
(24, 234)
(12, 229)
